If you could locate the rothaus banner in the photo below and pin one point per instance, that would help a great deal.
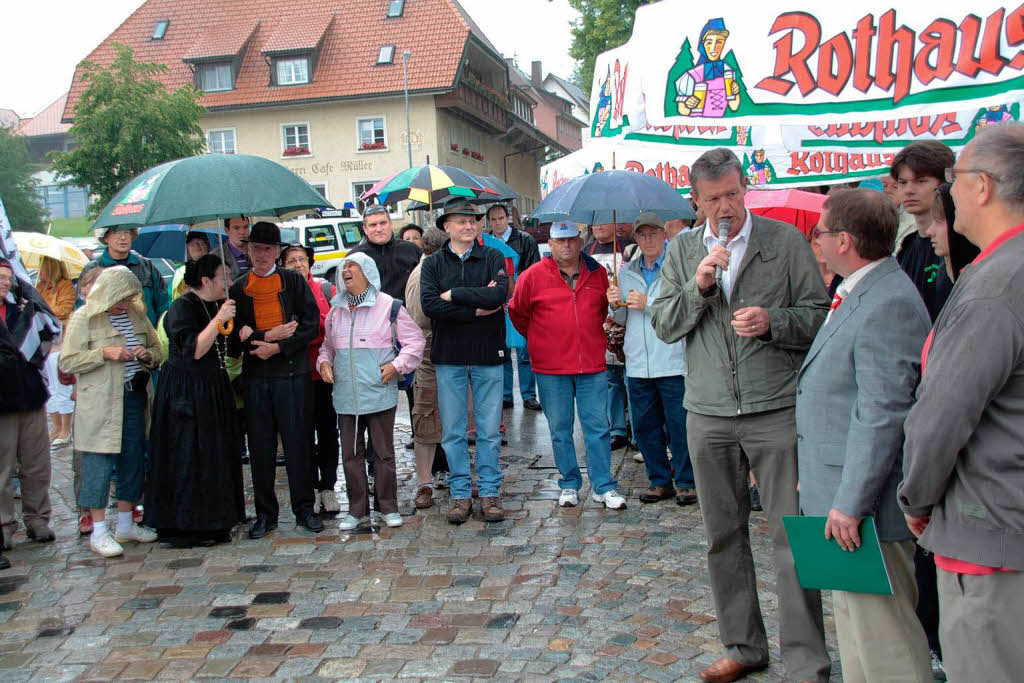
(764, 63)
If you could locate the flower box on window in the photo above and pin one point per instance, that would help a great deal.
(296, 151)
(476, 155)
(373, 145)
(465, 150)
(455, 147)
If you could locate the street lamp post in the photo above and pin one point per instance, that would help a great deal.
(405, 75)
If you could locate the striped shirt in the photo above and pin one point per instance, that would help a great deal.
(123, 324)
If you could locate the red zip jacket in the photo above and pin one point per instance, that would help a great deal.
(564, 329)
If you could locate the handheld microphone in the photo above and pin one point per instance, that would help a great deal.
(724, 226)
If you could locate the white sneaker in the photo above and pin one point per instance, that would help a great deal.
(393, 519)
(568, 498)
(137, 533)
(105, 545)
(611, 499)
(350, 522)
(329, 502)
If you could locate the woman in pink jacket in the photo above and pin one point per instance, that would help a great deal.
(359, 357)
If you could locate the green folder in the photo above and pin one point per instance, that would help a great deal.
(822, 564)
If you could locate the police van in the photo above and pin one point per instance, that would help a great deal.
(331, 235)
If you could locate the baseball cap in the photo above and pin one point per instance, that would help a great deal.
(648, 218)
(563, 229)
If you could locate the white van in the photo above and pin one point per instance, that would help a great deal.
(331, 236)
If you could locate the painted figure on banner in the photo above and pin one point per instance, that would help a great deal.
(991, 116)
(711, 87)
(610, 119)
(759, 171)
(742, 136)
(598, 167)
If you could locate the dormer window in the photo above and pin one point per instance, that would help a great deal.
(292, 71)
(386, 55)
(395, 8)
(215, 76)
(160, 29)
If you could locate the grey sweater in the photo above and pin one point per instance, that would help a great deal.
(963, 459)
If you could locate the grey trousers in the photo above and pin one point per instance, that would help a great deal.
(880, 637)
(979, 626)
(723, 450)
(25, 441)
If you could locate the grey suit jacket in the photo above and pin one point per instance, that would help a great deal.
(854, 391)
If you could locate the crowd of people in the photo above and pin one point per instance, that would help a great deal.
(874, 370)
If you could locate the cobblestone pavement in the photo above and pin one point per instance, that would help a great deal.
(550, 593)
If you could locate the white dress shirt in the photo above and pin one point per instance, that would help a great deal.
(737, 248)
(848, 283)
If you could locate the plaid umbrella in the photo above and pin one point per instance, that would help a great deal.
(429, 184)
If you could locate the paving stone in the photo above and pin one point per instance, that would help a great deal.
(475, 667)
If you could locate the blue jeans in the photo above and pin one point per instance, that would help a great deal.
(453, 383)
(616, 401)
(130, 463)
(562, 396)
(656, 406)
(526, 389)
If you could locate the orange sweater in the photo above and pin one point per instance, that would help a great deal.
(266, 305)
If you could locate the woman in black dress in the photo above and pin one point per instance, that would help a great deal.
(194, 495)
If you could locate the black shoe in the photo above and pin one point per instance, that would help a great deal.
(263, 526)
(410, 444)
(4, 563)
(619, 441)
(755, 499)
(311, 522)
(532, 404)
(280, 460)
(507, 403)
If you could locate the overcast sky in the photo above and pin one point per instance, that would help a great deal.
(41, 41)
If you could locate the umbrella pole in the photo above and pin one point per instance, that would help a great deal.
(615, 240)
(224, 328)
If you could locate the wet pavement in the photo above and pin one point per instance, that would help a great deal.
(550, 593)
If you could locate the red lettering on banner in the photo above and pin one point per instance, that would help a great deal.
(808, 163)
(862, 38)
(835, 51)
(879, 131)
(939, 39)
(634, 166)
(620, 90)
(677, 177)
(889, 39)
(786, 61)
(991, 60)
(1015, 35)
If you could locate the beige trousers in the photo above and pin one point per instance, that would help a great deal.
(880, 637)
(25, 441)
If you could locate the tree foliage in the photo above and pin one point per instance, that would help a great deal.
(25, 211)
(126, 122)
(603, 25)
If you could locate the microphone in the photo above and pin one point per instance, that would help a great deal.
(723, 238)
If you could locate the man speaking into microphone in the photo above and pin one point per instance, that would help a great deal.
(749, 308)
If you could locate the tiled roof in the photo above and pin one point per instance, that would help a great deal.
(297, 33)
(574, 90)
(435, 31)
(46, 122)
(220, 40)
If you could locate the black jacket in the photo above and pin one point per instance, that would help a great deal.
(460, 337)
(299, 304)
(395, 260)
(24, 388)
(524, 245)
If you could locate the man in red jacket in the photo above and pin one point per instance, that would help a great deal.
(560, 305)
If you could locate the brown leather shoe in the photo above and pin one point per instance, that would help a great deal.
(656, 494)
(725, 670)
(424, 497)
(493, 511)
(460, 510)
(686, 496)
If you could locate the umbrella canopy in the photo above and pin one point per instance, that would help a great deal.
(796, 207)
(505, 192)
(168, 241)
(33, 246)
(430, 185)
(612, 196)
(208, 187)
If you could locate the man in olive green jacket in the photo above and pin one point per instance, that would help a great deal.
(747, 330)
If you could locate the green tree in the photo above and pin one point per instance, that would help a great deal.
(125, 122)
(17, 186)
(603, 24)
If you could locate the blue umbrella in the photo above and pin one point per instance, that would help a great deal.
(612, 197)
(168, 241)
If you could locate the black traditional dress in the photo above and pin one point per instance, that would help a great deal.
(194, 494)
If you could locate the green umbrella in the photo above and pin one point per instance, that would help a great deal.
(208, 187)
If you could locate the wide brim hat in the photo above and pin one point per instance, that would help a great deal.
(265, 233)
(308, 250)
(458, 207)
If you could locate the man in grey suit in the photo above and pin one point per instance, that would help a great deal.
(854, 391)
(746, 334)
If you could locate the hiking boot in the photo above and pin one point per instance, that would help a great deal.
(493, 511)
(656, 494)
(424, 497)
(460, 510)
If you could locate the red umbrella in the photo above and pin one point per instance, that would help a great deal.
(796, 207)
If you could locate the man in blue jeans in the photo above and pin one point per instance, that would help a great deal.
(463, 287)
(654, 370)
(560, 307)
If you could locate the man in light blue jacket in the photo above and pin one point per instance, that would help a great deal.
(655, 371)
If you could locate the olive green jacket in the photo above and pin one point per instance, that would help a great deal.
(729, 375)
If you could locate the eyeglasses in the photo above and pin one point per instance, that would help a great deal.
(816, 233)
(952, 171)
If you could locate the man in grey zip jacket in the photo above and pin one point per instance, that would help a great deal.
(746, 334)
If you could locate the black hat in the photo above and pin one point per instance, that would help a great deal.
(308, 250)
(458, 207)
(265, 233)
